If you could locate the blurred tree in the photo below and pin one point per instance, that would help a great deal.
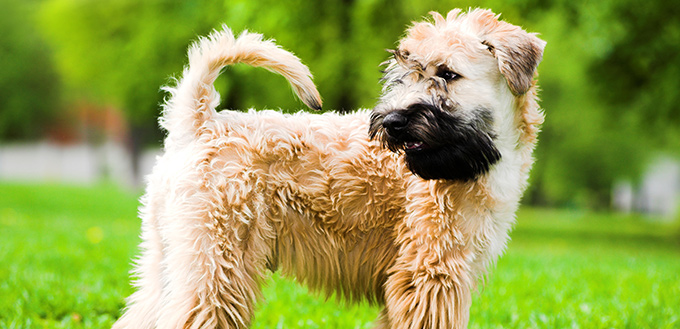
(608, 77)
(120, 52)
(638, 75)
(581, 151)
(29, 84)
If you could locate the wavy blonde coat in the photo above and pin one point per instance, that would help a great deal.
(238, 194)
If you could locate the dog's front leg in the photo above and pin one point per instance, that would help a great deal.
(429, 285)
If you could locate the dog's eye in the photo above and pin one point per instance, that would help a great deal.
(447, 74)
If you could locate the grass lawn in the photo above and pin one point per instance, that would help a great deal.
(65, 255)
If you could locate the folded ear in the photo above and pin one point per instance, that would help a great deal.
(518, 56)
(518, 52)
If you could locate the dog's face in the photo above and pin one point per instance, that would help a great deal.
(445, 91)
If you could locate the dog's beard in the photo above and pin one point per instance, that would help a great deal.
(438, 145)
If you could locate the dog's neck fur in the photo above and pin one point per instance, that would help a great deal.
(485, 207)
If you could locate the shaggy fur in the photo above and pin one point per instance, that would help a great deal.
(405, 206)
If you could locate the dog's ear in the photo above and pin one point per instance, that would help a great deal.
(518, 52)
(518, 55)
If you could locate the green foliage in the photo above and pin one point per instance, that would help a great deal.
(608, 77)
(121, 52)
(65, 255)
(584, 147)
(28, 83)
(641, 68)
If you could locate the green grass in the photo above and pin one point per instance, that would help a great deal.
(65, 255)
(579, 270)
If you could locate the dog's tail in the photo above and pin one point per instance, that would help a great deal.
(193, 100)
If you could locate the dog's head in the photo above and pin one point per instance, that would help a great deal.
(449, 91)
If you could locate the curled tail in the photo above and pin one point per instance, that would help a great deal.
(194, 99)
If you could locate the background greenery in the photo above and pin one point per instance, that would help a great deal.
(609, 76)
(65, 254)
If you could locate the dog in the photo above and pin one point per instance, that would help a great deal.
(405, 206)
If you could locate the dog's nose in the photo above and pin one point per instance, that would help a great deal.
(395, 123)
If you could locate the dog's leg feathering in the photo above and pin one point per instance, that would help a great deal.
(429, 285)
(194, 99)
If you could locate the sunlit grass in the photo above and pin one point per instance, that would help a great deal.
(65, 255)
(579, 270)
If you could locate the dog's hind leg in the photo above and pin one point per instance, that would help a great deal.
(216, 249)
(143, 305)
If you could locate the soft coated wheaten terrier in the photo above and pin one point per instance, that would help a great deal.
(405, 205)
